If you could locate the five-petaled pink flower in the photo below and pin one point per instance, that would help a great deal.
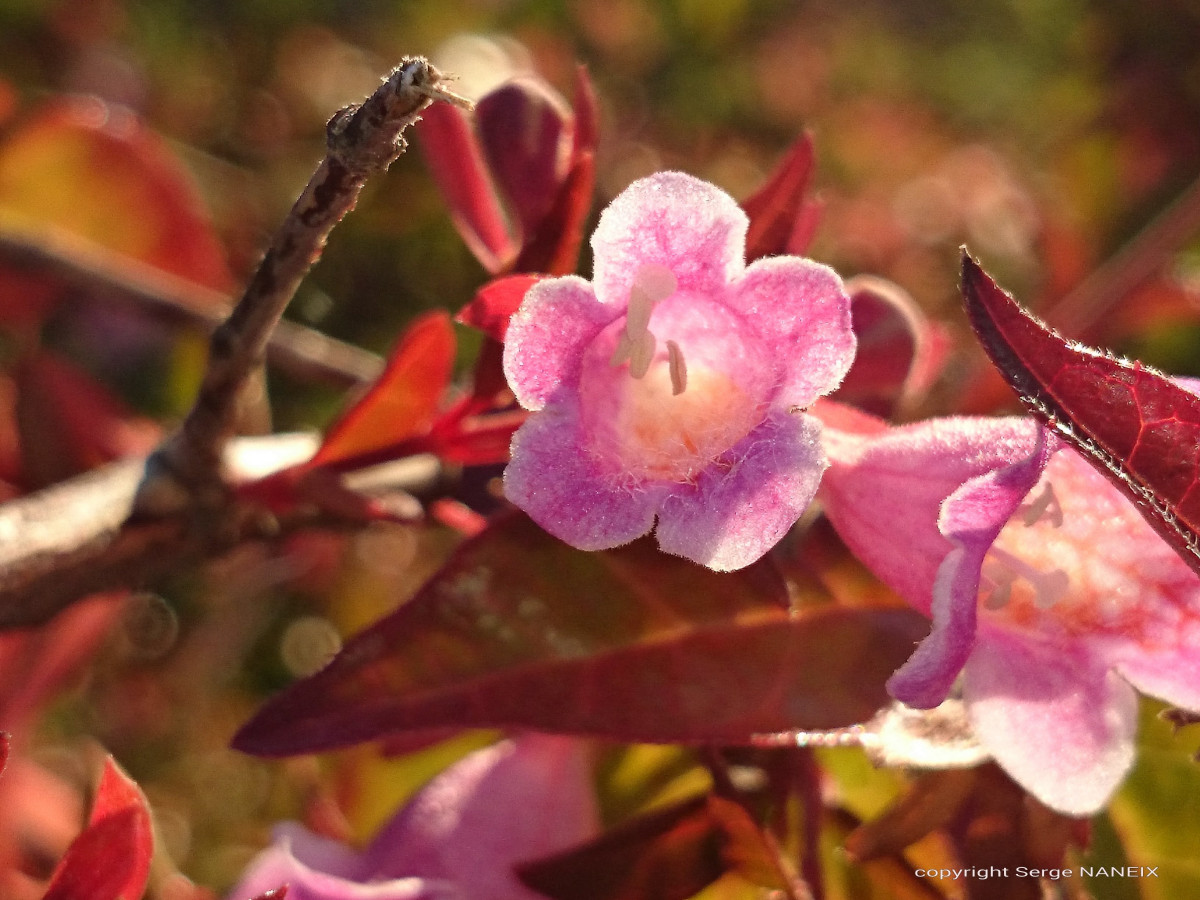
(1048, 591)
(459, 838)
(671, 386)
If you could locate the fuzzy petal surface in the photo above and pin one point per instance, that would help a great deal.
(458, 839)
(1055, 720)
(736, 513)
(674, 220)
(554, 479)
(513, 802)
(546, 337)
(884, 492)
(802, 311)
(315, 868)
(971, 518)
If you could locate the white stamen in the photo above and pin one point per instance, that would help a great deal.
(1001, 580)
(656, 281)
(652, 283)
(678, 366)
(641, 353)
(999, 597)
(1049, 587)
(1044, 505)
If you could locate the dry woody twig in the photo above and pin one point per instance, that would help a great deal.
(126, 523)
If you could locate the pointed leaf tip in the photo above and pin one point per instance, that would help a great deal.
(1135, 425)
(518, 630)
(110, 859)
(782, 215)
(405, 398)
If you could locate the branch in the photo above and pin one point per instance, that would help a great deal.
(80, 537)
(361, 141)
(106, 275)
(129, 522)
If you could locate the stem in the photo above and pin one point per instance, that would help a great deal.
(108, 276)
(1131, 266)
(361, 141)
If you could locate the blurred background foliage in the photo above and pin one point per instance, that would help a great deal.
(1044, 134)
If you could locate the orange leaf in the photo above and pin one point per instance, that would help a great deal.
(404, 401)
(93, 170)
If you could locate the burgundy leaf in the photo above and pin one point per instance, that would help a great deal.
(525, 131)
(456, 163)
(36, 663)
(69, 423)
(110, 860)
(670, 854)
(781, 218)
(587, 115)
(5, 740)
(899, 350)
(554, 247)
(1132, 423)
(520, 630)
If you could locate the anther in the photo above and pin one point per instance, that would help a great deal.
(1044, 505)
(651, 284)
(678, 367)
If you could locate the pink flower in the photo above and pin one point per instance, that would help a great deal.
(1048, 591)
(458, 839)
(670, 386)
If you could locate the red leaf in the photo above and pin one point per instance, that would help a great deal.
(279, 893)
(94, 170)
(456, 162)
(554, 247)
(520, 630)
(110, 860)
(587, 115)
(479, 440)
(899, 350)
(69, 423)
(5, 739)
(403, 402)
(779, 213)
(1133, 424)
(35, 663)
(494, 304)
(524, 129)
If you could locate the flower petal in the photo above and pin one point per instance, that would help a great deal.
(892, 484)
(510, 803)
(1169, 671)
(693, 228)
(802, 311)
(971, 518)
(546, 337)
(554, 479)
(1056, 721)
(315, 868)
(734, 515)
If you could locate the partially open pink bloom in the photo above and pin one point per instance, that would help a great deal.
(1048, 591)
(671, 385)
(458, 839)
